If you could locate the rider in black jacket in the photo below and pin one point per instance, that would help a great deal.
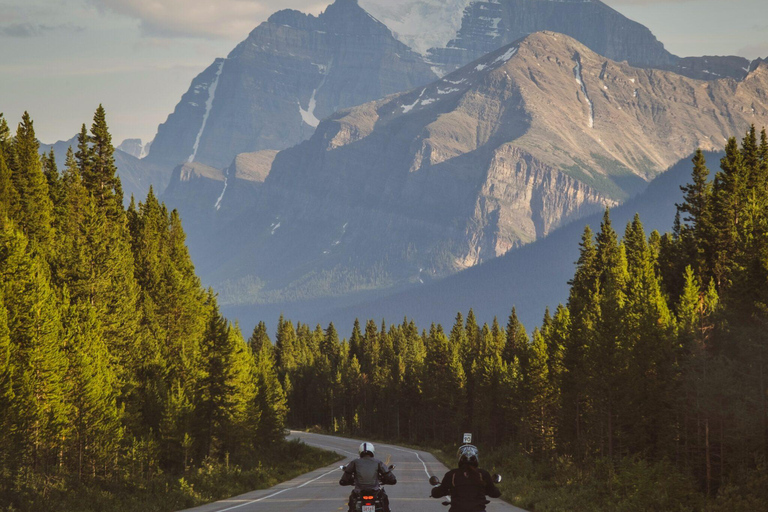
(468, 485)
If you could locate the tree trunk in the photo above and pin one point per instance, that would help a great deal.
(709, 457)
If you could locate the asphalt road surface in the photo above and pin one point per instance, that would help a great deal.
(319, 491)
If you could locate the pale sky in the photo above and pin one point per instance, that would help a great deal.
(60, 58)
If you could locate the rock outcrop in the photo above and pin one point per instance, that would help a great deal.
(274, 87)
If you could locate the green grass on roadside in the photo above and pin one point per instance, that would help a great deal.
(167, 493)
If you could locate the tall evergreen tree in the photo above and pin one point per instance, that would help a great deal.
(36, 209)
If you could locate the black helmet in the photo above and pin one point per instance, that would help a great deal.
(468, 454)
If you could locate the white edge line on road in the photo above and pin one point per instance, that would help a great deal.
(279, 492)
(417, 456)
(426, 470)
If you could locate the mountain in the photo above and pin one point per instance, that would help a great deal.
(488, 25)
(494, 156)
(208, 198)
(135, 147)
(531, 278)
(420, 24)
(136, 175)
(274, 87)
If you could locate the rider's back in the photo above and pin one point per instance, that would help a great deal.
(367, 471)
(468, 488)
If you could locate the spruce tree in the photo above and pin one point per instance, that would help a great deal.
(9, 197)
(38, 410)
(36, 209)
(96, 418)
(516, 338)
(100, 177)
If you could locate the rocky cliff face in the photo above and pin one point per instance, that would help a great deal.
(491, 157)
(274, 87)
(488, 25)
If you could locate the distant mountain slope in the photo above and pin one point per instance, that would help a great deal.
(488, 25)
(494, 156)
(531, 278)
(274, 87)
(136, 175)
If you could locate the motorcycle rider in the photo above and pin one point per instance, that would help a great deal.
(367, 474)
(468, 485)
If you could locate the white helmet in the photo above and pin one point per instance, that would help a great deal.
(366, 448)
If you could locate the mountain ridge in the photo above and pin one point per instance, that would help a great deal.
(274, 87)
(496, 155)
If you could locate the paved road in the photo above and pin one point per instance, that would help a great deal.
(319, 491)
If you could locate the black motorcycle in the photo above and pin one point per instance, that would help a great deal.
(368, 501)
(434, 482)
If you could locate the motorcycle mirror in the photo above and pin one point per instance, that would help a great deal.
(391, 467)
(343, 468)
(433, 480)
(497, 478)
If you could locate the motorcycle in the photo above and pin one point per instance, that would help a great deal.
(368, 501)
(435, 481)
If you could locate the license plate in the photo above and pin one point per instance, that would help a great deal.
(369, 508)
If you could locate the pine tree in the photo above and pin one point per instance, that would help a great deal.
(516, 339)
(96, 419)
(727, 197)
(607, 353)
(36, 209)
(38, 410)
(259, 340)
(100, 177)
(9, 197)
(583, 305)
(216, 388)
(696, 205)
(444, 386)
(270, 400)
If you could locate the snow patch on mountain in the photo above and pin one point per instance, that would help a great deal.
(583, 86)
(420, 24)
(208, 106)
(309, 115)
(221, 197)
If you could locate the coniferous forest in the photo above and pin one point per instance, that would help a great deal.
(122, 387)
(653, 378)
(120, 377)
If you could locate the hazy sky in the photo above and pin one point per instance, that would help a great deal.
(60, 58)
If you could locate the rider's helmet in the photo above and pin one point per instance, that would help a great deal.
(468, 454)
(366, 449)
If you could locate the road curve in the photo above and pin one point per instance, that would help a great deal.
(319, 491)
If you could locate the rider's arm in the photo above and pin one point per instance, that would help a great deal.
(387, 476)
(444, 489)
(490, 488)
(348, 478)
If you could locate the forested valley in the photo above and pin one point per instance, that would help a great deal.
(646, 391)
(122, 387)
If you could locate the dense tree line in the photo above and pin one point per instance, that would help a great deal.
(115, 363)
(660, 352)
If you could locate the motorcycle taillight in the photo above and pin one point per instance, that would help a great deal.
(368, 498)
